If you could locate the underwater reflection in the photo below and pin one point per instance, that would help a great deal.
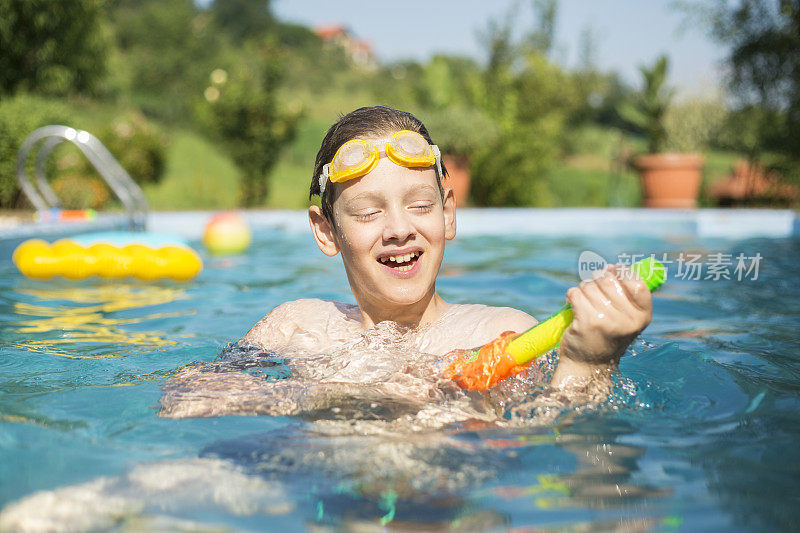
(87, 314)
(452, 479)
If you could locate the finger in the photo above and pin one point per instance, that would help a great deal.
(613, 292)
(635, 288)
(599, 273)
(602, 305)
(582, 306)
(582, 309)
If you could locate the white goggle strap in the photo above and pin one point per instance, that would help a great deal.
(323, 178)
(438, 155)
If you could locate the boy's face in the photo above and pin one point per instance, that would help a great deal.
(391, 225)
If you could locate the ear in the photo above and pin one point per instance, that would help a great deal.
(323, 232)
(449, 204)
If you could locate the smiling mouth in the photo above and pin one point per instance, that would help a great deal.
(401, 263)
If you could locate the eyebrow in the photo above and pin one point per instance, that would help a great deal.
(422, 188)
(368, 195)
(377, 196)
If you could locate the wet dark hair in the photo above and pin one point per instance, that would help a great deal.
(375, 121)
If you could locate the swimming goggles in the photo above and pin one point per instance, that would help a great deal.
(358, 157)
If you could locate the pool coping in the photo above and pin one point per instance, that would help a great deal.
(587, 222)
(713, 223)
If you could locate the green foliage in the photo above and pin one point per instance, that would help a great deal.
(164, 52)
(448, 81)
(242, 19)
(19, 116)
(460, 130)
(512, 170)
(541, 38)
(744, 129)
(241, 111)
(52, 48)
(499, 73)
(764, 61)
(544, 92)
(693, 125)
(763, 67)
(647, 112)
(78, 191)
(138, 144)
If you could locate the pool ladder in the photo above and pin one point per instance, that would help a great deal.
(117, 178)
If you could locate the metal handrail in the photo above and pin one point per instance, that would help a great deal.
(117, 178)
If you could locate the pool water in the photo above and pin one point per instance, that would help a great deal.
(699, 434)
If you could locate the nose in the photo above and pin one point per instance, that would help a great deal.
(397, 225)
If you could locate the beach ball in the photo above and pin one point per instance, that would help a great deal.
(226, 234)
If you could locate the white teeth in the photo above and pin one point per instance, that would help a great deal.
(400, 259)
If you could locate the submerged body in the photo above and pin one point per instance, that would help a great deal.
(334, 361)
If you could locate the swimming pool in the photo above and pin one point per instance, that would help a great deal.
(700, 433)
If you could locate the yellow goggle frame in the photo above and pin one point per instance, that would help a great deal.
(358, 157)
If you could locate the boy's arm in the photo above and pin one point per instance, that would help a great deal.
(275, 330)
(207, 391)
(610, 312)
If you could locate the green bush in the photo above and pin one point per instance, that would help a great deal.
(19, 116)
(512, 171)
(52, 48)
(138, 144)
(240, 109)
(459, 130)
(78, 191)
(693, 125)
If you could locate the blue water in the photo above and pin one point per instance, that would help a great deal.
(700, 434)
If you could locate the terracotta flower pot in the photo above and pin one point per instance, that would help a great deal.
(458, 177)
(670, 180)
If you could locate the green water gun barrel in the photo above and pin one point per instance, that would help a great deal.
(545, 335)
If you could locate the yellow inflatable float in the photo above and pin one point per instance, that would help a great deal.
(147, 256)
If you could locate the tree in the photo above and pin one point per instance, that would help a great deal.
(542, 37)
(240, 109)
(529, 99)
(764, 59)
(165, 51)
(53, 48)
(242, 19)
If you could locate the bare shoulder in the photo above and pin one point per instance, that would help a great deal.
(502, 319)
(480, 324)
(276, 329)
(512, 319)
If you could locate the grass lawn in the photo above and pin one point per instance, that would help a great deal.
(198, 175)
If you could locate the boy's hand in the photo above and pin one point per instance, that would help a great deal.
(610, 311)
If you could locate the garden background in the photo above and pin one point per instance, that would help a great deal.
(220, 104)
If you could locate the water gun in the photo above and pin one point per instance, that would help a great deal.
(509, 354)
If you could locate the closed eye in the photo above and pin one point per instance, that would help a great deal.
(366, 217)
(422, 208)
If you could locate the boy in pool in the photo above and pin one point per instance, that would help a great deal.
(385, 210)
